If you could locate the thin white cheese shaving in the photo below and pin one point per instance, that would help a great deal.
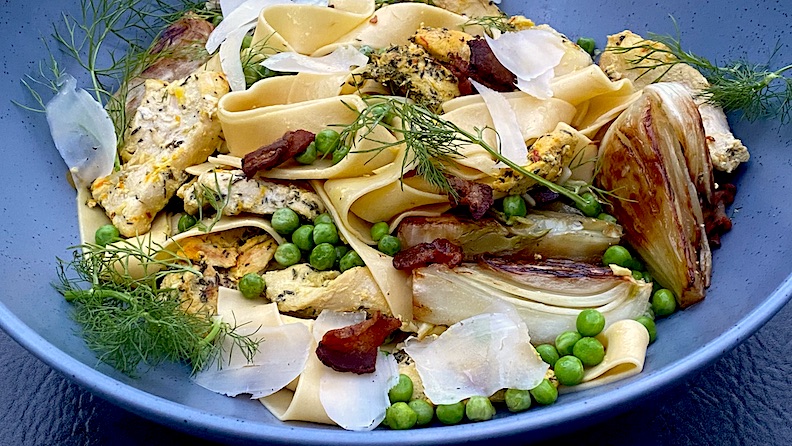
(532, 55)
(282, 351)
(512, 145)
(230, 58)
(354, 402)
(82, 131)
(241, 14)
(341, 60)
(477, 356)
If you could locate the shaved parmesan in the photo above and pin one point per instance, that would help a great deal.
(341, 60)
(237, 14)
(354, 402)
(359, 402)
(282, 350)
(477, 357)
(242, 16)
(512, 145)
(82, 131)
(532, 55)
(230, 57)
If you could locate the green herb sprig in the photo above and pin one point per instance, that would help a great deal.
(431, 142)
(755, 90)
(132, 321)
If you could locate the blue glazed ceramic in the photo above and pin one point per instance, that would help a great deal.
(751, 280)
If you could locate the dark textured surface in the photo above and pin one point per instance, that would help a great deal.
(744, 398)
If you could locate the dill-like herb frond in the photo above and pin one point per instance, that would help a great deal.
(216, 198)
(755, 90)
(131, 321)
(380, 3)
(489, 23)
(431, 142)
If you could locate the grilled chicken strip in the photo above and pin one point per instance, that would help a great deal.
(253, 195)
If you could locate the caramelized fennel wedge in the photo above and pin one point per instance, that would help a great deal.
(547, 295)
(540, 233)
(655, 158)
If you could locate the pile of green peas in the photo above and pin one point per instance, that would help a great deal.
(386, 243)
(327, 141)
(406, 412)
(319, 242)
(575, 350)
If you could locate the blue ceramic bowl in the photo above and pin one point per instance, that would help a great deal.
(751, 280)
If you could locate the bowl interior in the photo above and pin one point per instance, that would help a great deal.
(750, 281)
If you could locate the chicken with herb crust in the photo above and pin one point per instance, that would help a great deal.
(175, 127)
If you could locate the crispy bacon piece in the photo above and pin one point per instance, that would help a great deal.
(483, 67)
(716, 222)
(280, 151)
(476, 196)
(354, 348)
(438, 251)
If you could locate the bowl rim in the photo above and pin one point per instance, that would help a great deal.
(207, 424)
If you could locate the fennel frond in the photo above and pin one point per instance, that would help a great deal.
(755, 90)
(131, 321)
(431, 142)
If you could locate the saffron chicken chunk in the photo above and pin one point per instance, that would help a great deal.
(175, 127)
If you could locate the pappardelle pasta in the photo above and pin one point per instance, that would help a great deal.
(373, 214)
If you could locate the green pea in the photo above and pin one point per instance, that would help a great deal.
(322, 257)
(303, 237)
(325, 233)
(517, 400)
(450, 413)
(400, 416)
(514, 206)
(569, 370)
(251, 285)
(285, 221)
(590, 322)
(255, 72)
(590, 206)
(637, 275)
(287, 254)
(307, 157)
(217, 19)
(635, 264)
(327, 141)
(545, 393)
(350, 260)
(106, 234)
(340, 153)
(587, 44)
(663, 302)
(379, 230)
(650, 327)
(617, 255)
(424, 410)
(565, 341)
(589, 351)
(479, 408)
(389, 245)
(548, 353)
(323, 218)
(402, 391)
(341, 251)
(647, 277)
(186, 222)
(607, 217)
(383, 112)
